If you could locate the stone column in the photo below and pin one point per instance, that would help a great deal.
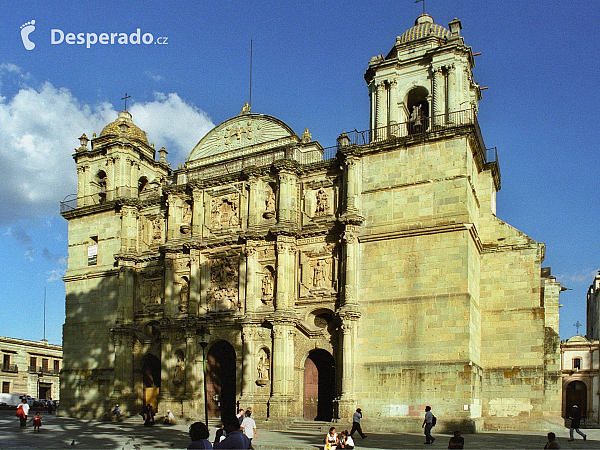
(452, 94)
(286, 214)
(80, 185)
(381, 111)
(172, 205)
(347, 399)
(286, 251)
(248, 359)
(126, 292)
(194, 292)
(283, 369)
(351, 200)
(252, 277)
(439, 95)
(351, 252)
(190, 354)
(373, 108)
(204, 280)
(254, 208)
(170, 307)
(394, 108)
(197, 213)
(166, 355)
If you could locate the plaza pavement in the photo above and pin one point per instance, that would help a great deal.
(60, 432)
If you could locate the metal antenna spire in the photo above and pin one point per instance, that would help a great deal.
(418, 1)
(250, 99)
(125, 98)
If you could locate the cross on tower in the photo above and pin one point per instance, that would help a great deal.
(418, 1)
(129, 96)
(577, 325)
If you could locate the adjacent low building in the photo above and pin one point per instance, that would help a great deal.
(30, 368)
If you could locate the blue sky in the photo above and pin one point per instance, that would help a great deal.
(540, 62)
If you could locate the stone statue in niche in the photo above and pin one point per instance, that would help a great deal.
(320, 274)
(269, 205)
(267, 286)
(222, 293)
(186, 217)
(322, 203)
(184, 296)
(179, 371)
(263, 367)
(224, 211)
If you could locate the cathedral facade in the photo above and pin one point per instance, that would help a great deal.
(270, 272)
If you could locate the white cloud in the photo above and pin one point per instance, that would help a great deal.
(55, 275)
(153, 76)
(172, 123)
(39, 129)
(582, 277)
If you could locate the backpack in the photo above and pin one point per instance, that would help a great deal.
(433, 421)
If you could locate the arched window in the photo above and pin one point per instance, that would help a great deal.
(418, 110)
(101, 181)
(142, 183)
(576, 363)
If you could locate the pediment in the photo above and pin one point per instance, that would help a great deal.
(241, 132)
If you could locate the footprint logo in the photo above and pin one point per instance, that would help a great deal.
(26, 30)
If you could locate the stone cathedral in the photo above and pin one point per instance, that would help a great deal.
(305, 282)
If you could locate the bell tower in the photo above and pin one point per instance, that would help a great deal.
(425, 81)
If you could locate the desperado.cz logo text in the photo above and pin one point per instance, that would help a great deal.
(58, 36)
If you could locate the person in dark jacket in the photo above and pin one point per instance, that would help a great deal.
(575, 417)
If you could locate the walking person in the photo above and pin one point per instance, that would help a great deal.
(234, 438)
(22, 413)
(37, 422)
(356, 423)
(575, 416)
(428, 424)
(249, 427)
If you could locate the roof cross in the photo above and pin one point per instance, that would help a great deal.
(129, 96)
(418, 1)
(577, 325)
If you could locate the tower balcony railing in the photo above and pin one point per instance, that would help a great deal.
(72, 202)
(413, 127)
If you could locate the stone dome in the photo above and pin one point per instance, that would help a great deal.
(125, 126)
(424, 27)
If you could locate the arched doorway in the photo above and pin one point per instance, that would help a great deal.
(576, 395)
(319, 386)
(220, 380)
(151, 380)
(418, 110)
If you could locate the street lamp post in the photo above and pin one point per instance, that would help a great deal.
(204, 334)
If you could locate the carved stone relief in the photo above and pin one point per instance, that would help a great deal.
(179, 370)
(317, 271)
(224, 211)
(222, 294)
(322, 207)
(157, 230)
(186, 218)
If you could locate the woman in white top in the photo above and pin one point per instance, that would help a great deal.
(346, 442)
(331, 440)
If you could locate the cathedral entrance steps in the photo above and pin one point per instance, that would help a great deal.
(309, 425)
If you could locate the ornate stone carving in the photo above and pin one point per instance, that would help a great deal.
(224, 211)
(186, 218)
(322, 203)
(157, 230)
(322, 277)
(223, 291)
(179, 370)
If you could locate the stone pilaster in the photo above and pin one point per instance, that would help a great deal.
(129, 216)
(126, 292)
(286, 250)
(346, 402)
(171, 307)
(381, 118)
(283, 369)
(172, 204)
(351, 182)
(439, 94)
(452, 92)
(394, 105)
